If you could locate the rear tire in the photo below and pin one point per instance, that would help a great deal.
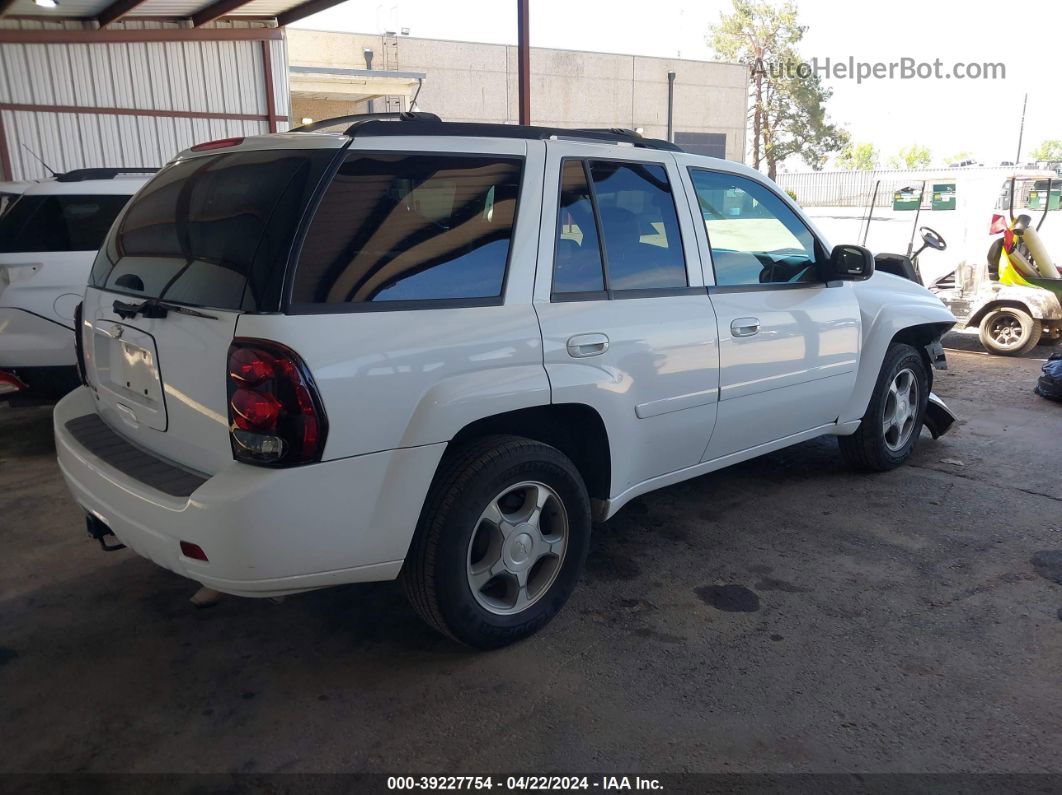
(1008, 331)
(485, 567)
(892, 423)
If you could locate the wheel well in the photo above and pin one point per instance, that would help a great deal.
(573, 428)
(918, 337)
(978, 316)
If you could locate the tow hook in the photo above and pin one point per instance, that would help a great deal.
(98, 530)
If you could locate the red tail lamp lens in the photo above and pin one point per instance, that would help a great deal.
(255, 411)
(275, 413)
(999, 225)
(193, 551)
(250, 367)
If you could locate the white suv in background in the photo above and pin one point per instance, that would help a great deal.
(437, 351)
(49, 236)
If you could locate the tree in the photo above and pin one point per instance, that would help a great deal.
(858, 157)
(958, 157)
(913, 156)
(1050, 149)
(788, 103)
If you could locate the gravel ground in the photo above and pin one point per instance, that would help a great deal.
(783, 615)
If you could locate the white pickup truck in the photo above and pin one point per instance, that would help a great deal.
(439, 351)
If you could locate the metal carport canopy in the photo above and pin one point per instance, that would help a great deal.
(56, 88)
(194, 12)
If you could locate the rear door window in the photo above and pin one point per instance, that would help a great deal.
(643, 247)
(395, 228)
(617, 230)
(58, 223)
(213, 231)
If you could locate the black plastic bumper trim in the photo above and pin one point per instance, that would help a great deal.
(94, 435)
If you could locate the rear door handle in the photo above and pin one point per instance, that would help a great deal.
(745, 326)
(582, 345)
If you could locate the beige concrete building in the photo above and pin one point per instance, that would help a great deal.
(463, 81)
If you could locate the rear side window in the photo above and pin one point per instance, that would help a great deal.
(58, 223)
(410, 227)
(617, 229)
(213, 231)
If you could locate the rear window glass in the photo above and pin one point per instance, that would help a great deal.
(212, 231)
(394, 227)
(58, 223)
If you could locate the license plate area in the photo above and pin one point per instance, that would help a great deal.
(127, 374)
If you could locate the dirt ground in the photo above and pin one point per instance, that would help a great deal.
(783, 615)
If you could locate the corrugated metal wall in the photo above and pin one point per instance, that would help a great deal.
(213, 77)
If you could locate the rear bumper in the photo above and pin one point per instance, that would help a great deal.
(266, 532)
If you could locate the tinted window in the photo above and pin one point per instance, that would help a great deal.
(754, 236)
(410, 228)
(58, 223)
(643, 247)
(577, 261)
(212, 231)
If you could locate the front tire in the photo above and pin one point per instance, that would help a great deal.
(1008, 331)
(890, 428)
(501, 541)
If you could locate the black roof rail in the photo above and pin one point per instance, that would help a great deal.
(422, 126)
(421, 123)
(354, 119)
(82, 174)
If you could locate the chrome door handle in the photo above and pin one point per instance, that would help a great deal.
(582, 345)
(745, 326)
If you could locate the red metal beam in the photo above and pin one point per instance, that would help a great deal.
(115, 11)
(108, 36)
(216, 10)
(5, 155)
(271, 100)
(523, 59)
(305, 10)
(165, 114)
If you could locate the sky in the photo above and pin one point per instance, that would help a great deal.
(947, 115)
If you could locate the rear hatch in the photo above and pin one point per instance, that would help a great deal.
(205, 241)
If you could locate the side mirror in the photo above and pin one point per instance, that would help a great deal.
(851, 263)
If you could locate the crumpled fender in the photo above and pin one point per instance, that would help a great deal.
(887, 306)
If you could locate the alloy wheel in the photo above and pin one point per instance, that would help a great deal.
(518, 547)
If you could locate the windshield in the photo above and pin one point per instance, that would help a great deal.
(58, 223)
(212, 231)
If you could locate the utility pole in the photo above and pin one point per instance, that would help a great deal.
(671, 107)
(523, 60)
(1021, 130)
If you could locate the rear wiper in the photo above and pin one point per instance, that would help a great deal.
(155, 308)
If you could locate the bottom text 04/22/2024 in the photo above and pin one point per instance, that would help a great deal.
(523, 783)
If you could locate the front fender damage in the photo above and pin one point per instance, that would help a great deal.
(938, 418)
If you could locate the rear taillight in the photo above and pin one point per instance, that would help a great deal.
(79, 345)
(275, 413)
(998, 225)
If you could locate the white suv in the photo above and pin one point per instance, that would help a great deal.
(438, 351)
(49, 236)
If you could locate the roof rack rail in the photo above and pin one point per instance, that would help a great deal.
(420, 125)
(82, 174)
(354, 119)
